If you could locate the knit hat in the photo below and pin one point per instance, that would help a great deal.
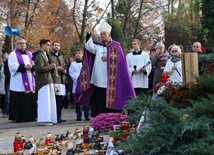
(170, 47)
(159, 45)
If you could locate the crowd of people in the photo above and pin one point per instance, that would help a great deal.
(100, 79)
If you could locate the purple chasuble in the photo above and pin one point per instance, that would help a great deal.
(25, 79)
(119, 85)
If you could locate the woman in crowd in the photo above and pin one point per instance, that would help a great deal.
(159, 61)
(173, 66)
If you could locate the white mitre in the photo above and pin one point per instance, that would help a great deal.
(105, 27)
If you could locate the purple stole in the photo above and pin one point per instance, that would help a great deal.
(25, 79)
(119, 85)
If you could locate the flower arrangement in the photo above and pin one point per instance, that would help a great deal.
(181, 96)
(166, 90)
(105, 121)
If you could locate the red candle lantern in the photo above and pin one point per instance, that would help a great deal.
(125, 126)
(85, 130)
(164, 77)
(48, 140)
(115, 140)
(125, 133)
(18, 143)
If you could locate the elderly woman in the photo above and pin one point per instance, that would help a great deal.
(173, 66)
(159, 61)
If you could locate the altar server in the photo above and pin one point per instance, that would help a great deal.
(139, 67)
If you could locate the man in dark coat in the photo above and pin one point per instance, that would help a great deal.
(56, 57)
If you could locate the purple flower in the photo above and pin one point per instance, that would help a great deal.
(106, 121)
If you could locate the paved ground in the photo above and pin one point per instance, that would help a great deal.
(8, 129)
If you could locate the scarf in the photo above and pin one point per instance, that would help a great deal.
(175, 59)
(164, 56)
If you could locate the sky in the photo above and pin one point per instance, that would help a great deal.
(102, 4)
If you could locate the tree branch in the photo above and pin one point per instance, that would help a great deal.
(98, 21)
(74, 21)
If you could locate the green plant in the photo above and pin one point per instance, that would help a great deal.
(116, 32)
(172, 130)
(184, 128)
(180, 98)
(208, 20)
(203, 87)
(205, 60)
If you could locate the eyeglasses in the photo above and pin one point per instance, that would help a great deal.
(174, 51)
(21, 43)
(196, 46)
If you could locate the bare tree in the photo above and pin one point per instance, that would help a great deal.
(39, 19)
(140, 19)
(84, 14)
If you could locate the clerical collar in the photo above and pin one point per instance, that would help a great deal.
(23, 52)
(78, 61)
(104, 44)
(137, 53)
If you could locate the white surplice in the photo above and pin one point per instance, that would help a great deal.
(16, 83)
(100, 67)
(139, 80)
(47, 104)
(74, 72)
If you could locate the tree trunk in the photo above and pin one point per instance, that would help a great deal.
(126, 15)
(112, 9)
(138, 19)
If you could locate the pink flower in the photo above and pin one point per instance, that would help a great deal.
(104, 122)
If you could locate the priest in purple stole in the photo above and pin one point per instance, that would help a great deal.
(23, 106)
(104, 82)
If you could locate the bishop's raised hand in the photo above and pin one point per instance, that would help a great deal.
(89, 30)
